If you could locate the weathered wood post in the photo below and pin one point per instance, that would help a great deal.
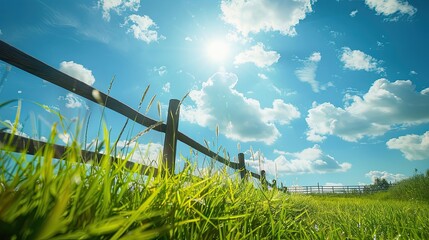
(241, 166)
(264, 179)
(170, 140)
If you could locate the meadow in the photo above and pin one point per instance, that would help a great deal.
(46, 198)
(43, 197)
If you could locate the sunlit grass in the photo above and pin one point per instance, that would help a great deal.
(46, 198)
(365, 217)
(42, 198)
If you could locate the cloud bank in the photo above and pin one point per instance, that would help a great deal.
(253, 16)
(238, 117)
(385, 105)
(414, 147)
(390, 177)
(309, 160)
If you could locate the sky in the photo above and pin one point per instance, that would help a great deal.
(329, 92)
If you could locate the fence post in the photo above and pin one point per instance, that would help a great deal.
(264, 179)
(241, 166)
(170, 140)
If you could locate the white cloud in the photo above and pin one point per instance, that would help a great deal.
(309, 160)
(385, 105)
(65, 137)
(353, 13)
(262, 76)
(253, 16)
(160, 70)
(414, 147)
(142, 28)
(118, 6)
(308, 72)
(257, 55)
(15, 128)
(73, 101)
(77, 71)
(147, 154)
(390, 177)
(358, 60)
(389, 7)
(238, 117)
(189, 39)
(412, 72)
(166, 87)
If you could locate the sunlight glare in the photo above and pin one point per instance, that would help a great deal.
(217, 50)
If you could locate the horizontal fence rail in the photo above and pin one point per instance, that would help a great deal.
(40, 69)
(37, 68)
(334, 189)
(31, 147)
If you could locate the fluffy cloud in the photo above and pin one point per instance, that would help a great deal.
(253, 16)
(414, 147)
(73, 101)
(257, 55)
(77, 71)
(309, 160)
(389, 7)
(118, 6)
(308, 72)
(142, 28)
(147, 154)
(390, 177)
(358, 60)
(386, 104)
(11, 127)
(238, 117)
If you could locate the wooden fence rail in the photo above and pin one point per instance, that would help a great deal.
(21, 60)
(358, 189)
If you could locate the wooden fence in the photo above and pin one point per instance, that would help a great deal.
(37, 68)
(355, 189)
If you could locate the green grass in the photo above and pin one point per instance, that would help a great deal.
(46, 198)
(336, 217)
(71, 200)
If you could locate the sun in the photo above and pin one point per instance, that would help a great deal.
(217, 51)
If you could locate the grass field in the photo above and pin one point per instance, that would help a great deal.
(50, 199)
(46, 198)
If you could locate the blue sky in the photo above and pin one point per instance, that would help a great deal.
(333, 92)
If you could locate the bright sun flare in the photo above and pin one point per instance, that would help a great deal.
(217, 50)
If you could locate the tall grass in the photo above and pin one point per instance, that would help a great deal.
(337, 217)
(42, 197)
(414, 188)
(67, 198)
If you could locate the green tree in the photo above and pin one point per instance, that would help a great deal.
(380, 184)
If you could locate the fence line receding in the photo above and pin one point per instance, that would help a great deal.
(23, 61)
